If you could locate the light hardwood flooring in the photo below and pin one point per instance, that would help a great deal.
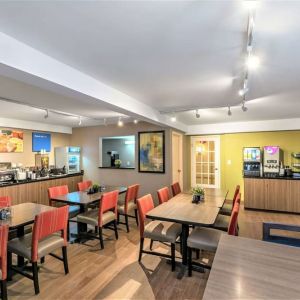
(114, 272)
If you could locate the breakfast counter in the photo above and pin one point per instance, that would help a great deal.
(36, 190)
(272, 193)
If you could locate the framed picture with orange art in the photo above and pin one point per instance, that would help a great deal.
(151, 150)
(11, 141)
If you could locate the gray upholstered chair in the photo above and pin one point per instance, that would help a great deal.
(166, 232)
(228, 207)
(202, 238)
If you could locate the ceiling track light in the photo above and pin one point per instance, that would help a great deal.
(80, 121)
(244, 108)
(47, 114)
(197, 114)
(229, 113)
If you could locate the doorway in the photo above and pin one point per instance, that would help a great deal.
(177, 175)
(205, 161)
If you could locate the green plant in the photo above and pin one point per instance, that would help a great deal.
(198, 191)
(118, 162)
(96, 186)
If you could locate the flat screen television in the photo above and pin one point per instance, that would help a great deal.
(41, 141)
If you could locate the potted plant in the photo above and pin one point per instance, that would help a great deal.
(94, 189)
(198, 194)
(118, 163)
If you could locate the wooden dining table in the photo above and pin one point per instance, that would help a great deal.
(84, 200)
(252, 269)
(180, 209)
(22, 215)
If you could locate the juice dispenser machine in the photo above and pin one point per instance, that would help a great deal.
(273, 156)
(252, 161)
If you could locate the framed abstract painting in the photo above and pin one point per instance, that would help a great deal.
(152, 152)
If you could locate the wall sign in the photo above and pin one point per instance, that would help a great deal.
(11, 141)
(41, 142)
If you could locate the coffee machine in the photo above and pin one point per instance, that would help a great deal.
(273, 156)
(252, 161)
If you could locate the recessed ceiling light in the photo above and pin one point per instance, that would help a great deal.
(120, 122)
(173, 119)
(251, 4)
(252, 62)
(135, 121)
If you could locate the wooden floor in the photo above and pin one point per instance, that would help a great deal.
(114, 272)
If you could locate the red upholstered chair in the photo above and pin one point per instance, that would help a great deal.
(43, 241)
(222, 222)
(228, 207)
(176, 189)
(84, 185)
(3, 259)
(5, 201)
(163, 195)
(102, 217)
(129, 206)
(156, 230)
(207, 239)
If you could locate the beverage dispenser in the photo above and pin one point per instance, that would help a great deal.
(252, 161)
(273, 155)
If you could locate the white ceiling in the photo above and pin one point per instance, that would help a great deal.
(169, 54)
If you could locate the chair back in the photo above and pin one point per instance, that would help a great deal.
(232, 228)
(109, 201)
(163, 195)
(176, 189)
(47, 223)
(5, 201)
(236, 192)
(57, 191)
(84, 185)
(131, 195)
(144, 204)
(3, 251)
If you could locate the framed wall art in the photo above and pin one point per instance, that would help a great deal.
(151, 150)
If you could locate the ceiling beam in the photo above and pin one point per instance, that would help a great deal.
(24, 63)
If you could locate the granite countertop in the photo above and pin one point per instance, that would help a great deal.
(39, 179)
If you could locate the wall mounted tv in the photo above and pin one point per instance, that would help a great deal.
(41, 142)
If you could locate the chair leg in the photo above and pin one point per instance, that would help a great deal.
(96, 229)
(126, 221)
(118, 218)
(9, 264)
(116, 229)
(68, 231)
(35, 278)
(151, 244)
(3, 290)
(189, 261)
(141, 248)
(65, 258)
(136, 217)
(197, 253)
(173, 257)
(42, 260)
(101, 238)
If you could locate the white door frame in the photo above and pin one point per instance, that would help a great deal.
(181, 157)
(216, 139)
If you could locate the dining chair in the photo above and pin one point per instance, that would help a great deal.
(5, 201)
(59, 191)
(222, 221)
(176, 189)
(166, 232)
(102, 217)
(3, 260)
(84, 185)
(45, 239)
(163, 195)
(228, 207)
(203, 238)
(129, 206)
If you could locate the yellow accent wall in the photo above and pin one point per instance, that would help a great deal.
(232, 146)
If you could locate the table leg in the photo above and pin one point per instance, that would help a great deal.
(184, 237)
(20, 233)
